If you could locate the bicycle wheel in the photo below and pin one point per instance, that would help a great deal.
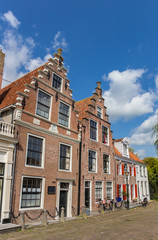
(118, 204)
(107, 206)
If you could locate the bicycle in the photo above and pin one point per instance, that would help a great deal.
(145, 202)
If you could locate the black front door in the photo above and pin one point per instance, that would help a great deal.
(63, 201)
(87, 194)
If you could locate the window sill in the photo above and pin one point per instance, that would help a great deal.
(29, 209)
(63, 170)
(30, 166)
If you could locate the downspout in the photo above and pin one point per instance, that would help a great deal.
(12, 184)
(79, 178)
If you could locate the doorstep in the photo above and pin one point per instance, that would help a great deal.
(8, 227)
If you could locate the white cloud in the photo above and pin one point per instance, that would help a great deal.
(143, 134)
(60, 41)
(125, 98)
(11, 19)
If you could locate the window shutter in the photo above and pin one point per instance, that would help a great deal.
(117, 190)
(117, 169)
(136, 190)
(124, 189)
(130, 171)
(134, 171)
(131, 192)
(122, 169)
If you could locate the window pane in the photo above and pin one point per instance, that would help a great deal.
(64, 157)
(93, 130)
(104, 135)
(105, 163)
(98, 190)
(30, 193)
(64, 114)
(34, 151)
(56, 82)
(43, 105)
(92, 161)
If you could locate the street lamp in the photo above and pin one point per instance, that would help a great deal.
(127, 185)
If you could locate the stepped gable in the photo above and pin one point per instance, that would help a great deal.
(8, 94)
(82, 106)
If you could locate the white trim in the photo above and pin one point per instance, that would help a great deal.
(96, 161)
(69, 114)
(50, 107)
(90, 131)
(102, 182)
(61, 89)
(70, 170)
(90, 204)
(107, 136)
(69, 197)
(43, 151)
(42, 193)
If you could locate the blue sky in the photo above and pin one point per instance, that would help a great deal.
(110, 41)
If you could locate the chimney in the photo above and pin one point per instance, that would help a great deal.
(59, 56)
(2, 57)
(98, 89)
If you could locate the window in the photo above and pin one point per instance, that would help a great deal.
(43, 104)
(120, 191)
(31, 192)
(65, 157)
(106, 163)
(34, 151)
(125, 150)
(64, 114)
(137, 169)
(145, 188)
(92, 161)
(132, 170)
(93, 130)
(56, 82)
(144, 172)
(109, 190)
(142, 189)
(141, 171)
(98, 190)
(104, 135)
(99, 112)
(120, 169)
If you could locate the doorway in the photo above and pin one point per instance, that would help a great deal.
(63, 199)
(87, 194)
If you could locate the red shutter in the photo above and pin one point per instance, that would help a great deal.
(124, 189)
(122, 169)
(136, 195)
(134, 171)
(130, 171)
(117, 169)
(131, 192)
(117, 190)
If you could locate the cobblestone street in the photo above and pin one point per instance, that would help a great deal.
(137, 223)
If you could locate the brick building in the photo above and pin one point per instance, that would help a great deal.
(97, 152)
(41, 107)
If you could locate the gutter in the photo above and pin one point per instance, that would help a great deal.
(79, 178)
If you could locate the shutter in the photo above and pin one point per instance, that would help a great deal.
(136, 195)
(117, 190)
(130, 171)
(117, 169)
(131, 192)
(134, 171)
(124, 189)
(122, 169)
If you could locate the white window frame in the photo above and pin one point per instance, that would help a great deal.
(43, 151)
(120, 168)
(101, 191)
(61, 82)
(112, 188)
(42, 194)
(87, 180)
(96, 161)
(109, 164)
(107, 144)
(50, 107)
(96, 130)
(69, 114)
(99, 109)
(64, 170)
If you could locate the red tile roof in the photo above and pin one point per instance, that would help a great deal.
(131, 155)
(8, 94)
(118, 140)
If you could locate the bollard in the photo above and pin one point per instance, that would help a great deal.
(84, 213)
(102, 208)
(113, 205)
(45, 223)
(22, 220)
(123, 205)
(62, 218)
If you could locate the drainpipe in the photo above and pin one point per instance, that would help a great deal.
(12, 184)
(79, 178)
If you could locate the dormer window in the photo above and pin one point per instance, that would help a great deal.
(57, 82)
(125, 150)
(99, 112)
